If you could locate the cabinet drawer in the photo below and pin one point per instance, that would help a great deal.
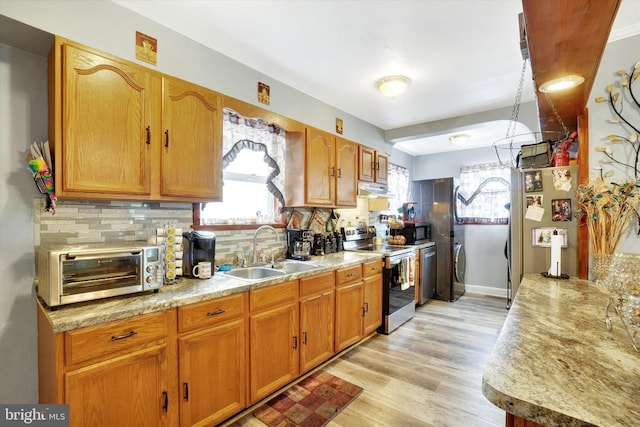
(372, 268)
(316, 284)
(348, 275)
(272, 295)
(115, 338)
(209, 313)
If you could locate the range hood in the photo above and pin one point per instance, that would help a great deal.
(372, 189)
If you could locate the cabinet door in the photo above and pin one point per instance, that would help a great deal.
(320, 168)
(212, 374)
(349, 313)
(366, 166)
(347, 173)
(316, 330)
(125, 391)
(382, 168)
(372, 303)
(105, 145)
(273, 350)
(191, 141)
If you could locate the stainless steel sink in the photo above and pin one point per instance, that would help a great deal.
(292, 266)
(255, 273)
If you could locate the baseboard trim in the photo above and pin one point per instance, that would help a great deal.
(485, 290)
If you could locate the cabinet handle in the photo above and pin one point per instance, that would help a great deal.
(333, 171)
(295, 342)
(352, 274)
(377, 166)
(366, 307)
(121, 337)
(377, 267)
(339, 172)
(148, 135)
(215, 313)
(363, 312)
(166, 140)
(304, 338)
(185, 391)
(165, 401)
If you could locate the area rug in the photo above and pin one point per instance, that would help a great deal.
(313, 402)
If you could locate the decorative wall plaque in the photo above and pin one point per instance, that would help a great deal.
(146, 48)
(264, 93)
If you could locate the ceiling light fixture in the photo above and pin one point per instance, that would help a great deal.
(393, 86)
(561, 83)
(459, 139)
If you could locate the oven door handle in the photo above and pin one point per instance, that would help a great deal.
(84, 255)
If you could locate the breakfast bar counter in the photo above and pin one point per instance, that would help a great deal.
(555, 362)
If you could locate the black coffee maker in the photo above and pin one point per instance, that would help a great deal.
(299, 243)
(198, 246)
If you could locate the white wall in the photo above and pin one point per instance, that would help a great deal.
(618, 55)
(23, 119)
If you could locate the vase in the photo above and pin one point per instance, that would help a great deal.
(599, 266)
(623, 285)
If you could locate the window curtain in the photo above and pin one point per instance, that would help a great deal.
(484, 192)
(240, 133)
(399, 185)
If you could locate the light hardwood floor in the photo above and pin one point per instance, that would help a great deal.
(426, 373)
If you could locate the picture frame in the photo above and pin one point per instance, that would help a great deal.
(535, 201)
(541, 236)
(561, 209)
(533, 181)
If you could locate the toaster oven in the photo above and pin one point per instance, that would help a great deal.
(69, 274)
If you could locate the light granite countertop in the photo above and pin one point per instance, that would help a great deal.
(556, 363)
(185, 291)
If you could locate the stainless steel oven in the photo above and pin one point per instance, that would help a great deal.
(69, 274)
(398, 275)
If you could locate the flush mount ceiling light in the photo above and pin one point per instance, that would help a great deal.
(459, 139)
(392, 86)
(562, 83)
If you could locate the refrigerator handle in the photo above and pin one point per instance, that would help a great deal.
(455, 206)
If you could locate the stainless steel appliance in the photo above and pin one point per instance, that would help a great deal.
(299, 243)
(198, 246)
(436, 205)
(428, 273)
(397, 297)
(69, 274)
(414, 232)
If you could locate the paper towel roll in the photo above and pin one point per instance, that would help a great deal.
(556, 255)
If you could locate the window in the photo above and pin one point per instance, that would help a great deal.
(398, 185)
(485, 191)
(253, 171)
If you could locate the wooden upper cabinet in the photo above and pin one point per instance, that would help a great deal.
(109, 120)
(191, 141)
(347, 172)
(329, 171)
(106, 107)
(372, 166)
(320, 167)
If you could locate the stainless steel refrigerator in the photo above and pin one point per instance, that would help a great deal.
(554, 191)
(435, 204)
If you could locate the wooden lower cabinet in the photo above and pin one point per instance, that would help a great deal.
(126, 391)
(317, 302)
(213, 368)
(372, 293)
(199, 364)
(119, 373)
(273, 338)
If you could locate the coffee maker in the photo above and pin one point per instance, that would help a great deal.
(299, 243)
(198, 246)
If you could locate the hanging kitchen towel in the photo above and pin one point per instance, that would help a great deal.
(404, 274)
(295, 222)
(412, 271)
(316, 223)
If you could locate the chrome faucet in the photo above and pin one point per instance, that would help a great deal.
(255, 244)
